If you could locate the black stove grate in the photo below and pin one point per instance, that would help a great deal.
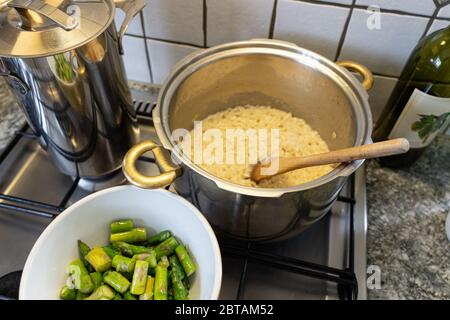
(344, 278)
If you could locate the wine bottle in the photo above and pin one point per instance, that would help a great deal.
(419, 106)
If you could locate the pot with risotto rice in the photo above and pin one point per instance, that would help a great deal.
(223, 109)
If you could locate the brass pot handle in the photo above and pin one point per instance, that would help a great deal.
(367, 75)
(169, 171)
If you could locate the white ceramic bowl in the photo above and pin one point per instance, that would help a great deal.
(88, 220)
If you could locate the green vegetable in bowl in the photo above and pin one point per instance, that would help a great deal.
(126, 269)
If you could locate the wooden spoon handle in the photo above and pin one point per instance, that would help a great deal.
(368, 151)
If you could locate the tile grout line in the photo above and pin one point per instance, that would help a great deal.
(147, 53)
(205, 24)
(430, 22)
(168, 41)
(344, 33)
(273, 19)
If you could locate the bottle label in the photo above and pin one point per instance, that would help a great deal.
(423, 117)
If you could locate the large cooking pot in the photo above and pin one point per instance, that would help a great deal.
(258, 72)
(62, 60)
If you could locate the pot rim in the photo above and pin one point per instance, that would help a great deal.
(199, 59)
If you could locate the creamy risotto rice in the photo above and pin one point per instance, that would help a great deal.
(296, 138)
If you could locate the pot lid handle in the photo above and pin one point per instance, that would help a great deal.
(58, 16)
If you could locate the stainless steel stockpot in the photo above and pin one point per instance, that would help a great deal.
(62, 60)
(259, 72)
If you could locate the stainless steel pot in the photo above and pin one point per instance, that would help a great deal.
(259, 72)
(62, 59)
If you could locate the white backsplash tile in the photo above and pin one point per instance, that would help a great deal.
(164, 55)
(135, 26)
(444, 12)
(176, 20)
(135, 59)
(380, 93)
(383, 50)
(312, 26)
(438, 24)
(346, 2)
(234, 20)
(425, 7)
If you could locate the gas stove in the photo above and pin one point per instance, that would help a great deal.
(328, 261)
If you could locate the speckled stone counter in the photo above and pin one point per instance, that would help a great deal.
(11, 117)
(406, 214)
(407, 210)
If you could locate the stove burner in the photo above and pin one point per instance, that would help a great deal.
(9, 286)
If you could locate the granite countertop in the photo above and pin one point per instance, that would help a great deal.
(406, 216)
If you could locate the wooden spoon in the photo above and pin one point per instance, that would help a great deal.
(368, 151)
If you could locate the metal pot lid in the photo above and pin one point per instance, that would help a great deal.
(37, 28)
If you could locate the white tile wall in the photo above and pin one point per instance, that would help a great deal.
(176, 20)
(164, 55)
(313, 26)
(347, 2)
(383, 50)
(444, 12)
(438, 24)
(425, 7)
(135, 59)
(135, 26)
(380, 93)
(234, 20)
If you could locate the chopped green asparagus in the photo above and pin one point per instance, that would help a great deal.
(150, 257)
(131, 236)
(129, 296)
(81, 295)
(139, 277)
(160, 237)
(130, 250)
(117, 297)
(166, 248)
(110, 251)
(185, 260)
(164, 262)
(97, 279)
(176, 267)
(123, 264)
(79, 277)
(98, 258)
(68, 294)
(117, 281)
(121, 226)
(83, 250)
(179, 291)
(161, 283)
(148, 293)
(102, 293)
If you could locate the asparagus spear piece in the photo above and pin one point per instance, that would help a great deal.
(98, 258)
(148, 293)
(117, 281)
(166, 248)
(139, 277)
(160, 237)
(130, 249)
(121, 226)
(129, 296)
(131, 236)
(79, 277)
(164, 262)
(68, 294)
(123, 264)
(102, 293)
(81, 295)
(97, 279)
(185, 259)
(176, 267)
(83, 250)
(117, 297)
(161, 283)
(150, 257)
(179, 291)
(110, 251)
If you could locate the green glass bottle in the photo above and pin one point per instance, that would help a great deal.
(419, 107)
